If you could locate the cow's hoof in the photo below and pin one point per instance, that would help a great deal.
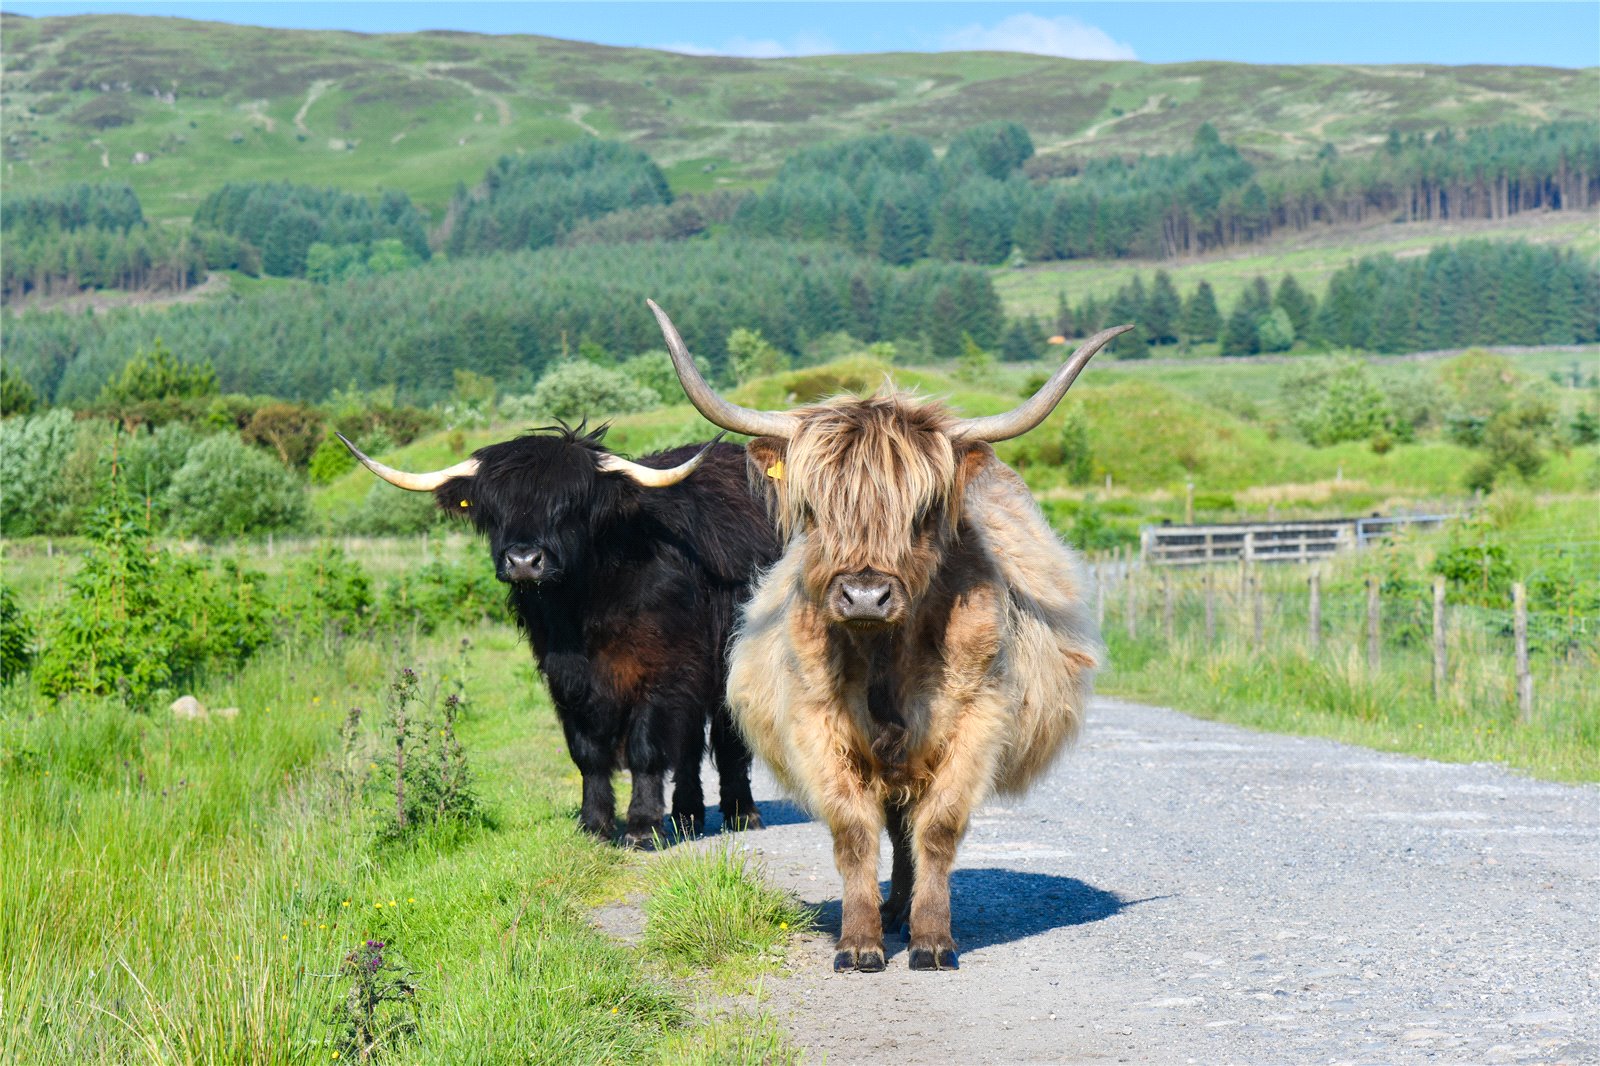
(600, 829)
(740, 821)
(922, 958)
(864, 960)
(642, 839)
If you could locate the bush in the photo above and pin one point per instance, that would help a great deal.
(576, 390)
(16, 636)
(227, 488)
(151, 459)
(33, 461)
(159, 375)
(654, 371)
(323, 592)
(388, 511)
(291, 430)
(16, 395)
(750, 356)
(331, 461)
(137, 620)
(1333, 400)
(443, 593)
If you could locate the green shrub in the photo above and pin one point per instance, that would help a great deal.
(388, 511)
(34, 452)
(654, 371)
(227, 488)
(1333, 400)
(325, 591)
(16, 636)
(443, 594)
(331, 461)
(751, 356)
(577, 390)
(137, 620)
(159, 375)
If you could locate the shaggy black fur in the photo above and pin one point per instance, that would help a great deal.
(628, 595)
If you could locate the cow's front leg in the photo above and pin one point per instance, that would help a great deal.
(593, 757)
(855, 852)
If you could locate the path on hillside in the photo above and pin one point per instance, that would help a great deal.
(1184, 891)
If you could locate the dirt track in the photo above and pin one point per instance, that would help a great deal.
(1183, 891)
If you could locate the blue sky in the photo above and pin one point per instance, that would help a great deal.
(1545, 34)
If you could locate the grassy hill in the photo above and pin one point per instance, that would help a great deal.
(203, 103)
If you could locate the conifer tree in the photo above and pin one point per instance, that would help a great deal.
(1201, 320)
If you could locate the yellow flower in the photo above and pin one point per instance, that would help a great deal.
(411, 899)
(316, 699)
(613, 1010)
(783, 925)
(346, 903)
(392, 903)
(284, 937)
(322, 925)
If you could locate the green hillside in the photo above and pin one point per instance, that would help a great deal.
(202, 103)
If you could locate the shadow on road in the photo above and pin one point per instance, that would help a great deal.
(993, 906)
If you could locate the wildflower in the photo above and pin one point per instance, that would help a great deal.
(316, 699)
(613, 1010)
(411, 899)
(783, 925)
(284, 937)
(322, 925)
(392, 903)
(346, 903)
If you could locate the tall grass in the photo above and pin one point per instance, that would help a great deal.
(179, 891)
(1281, 684)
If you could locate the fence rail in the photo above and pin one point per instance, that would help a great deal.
(1297, 542)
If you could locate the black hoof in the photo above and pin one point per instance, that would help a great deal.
(869, 961)
(642, 840)
(740, 821)
(928, 959)
(599, 830)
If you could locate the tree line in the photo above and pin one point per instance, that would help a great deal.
(1458, 295)
(83, 236)
(283, 221)
(988, 198)
(511, 314)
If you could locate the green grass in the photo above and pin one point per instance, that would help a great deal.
(421, 112)
(188, 891)
(710, 908)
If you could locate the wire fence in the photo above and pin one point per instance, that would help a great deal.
(1466, 654)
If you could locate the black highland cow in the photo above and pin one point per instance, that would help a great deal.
(627, 578)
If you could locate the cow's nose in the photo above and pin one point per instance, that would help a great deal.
(864, 598)
(524, 564)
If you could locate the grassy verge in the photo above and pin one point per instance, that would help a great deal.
(212, 891)
(1279, 682)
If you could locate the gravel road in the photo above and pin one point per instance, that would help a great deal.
(1180, 891)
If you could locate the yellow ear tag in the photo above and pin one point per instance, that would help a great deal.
(464, 503)
(775, 471)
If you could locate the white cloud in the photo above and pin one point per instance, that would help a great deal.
(1060, 36)
(801, 44)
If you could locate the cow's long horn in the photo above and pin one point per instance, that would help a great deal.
(1018, 420)
(705, 399)
(649, 476)
(415, 482)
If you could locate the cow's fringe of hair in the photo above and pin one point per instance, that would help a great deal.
(890, 449)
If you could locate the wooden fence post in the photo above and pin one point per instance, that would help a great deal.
(1167, 607)
(1314, 613)
(1211, 608)
(1131, 605)
(1188, 504)
(1372, 625)
(1439, 663)
(1519, 603)
(1257, 608)
(1100, 577)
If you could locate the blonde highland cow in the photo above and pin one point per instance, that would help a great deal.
(924, 641)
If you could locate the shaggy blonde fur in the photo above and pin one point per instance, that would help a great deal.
(989, 672)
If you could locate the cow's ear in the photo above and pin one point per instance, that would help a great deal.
(765, 456)
(459, 497)
(971, 459)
